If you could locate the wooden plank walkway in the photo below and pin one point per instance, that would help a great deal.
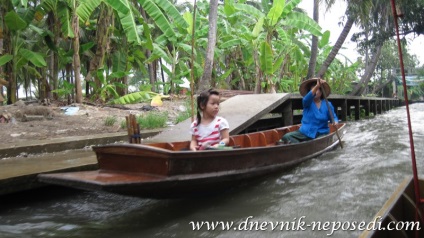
(240, 111)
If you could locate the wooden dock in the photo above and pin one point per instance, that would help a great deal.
(241, 112)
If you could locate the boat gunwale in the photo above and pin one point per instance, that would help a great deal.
(385, 212)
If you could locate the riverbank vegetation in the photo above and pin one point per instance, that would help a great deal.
(103, 50)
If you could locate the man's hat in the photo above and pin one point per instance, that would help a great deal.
(305, 86)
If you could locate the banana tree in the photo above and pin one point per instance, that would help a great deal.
(175, 50)
(273, 25)
(108, 87)
(159, 11)
(76, 47)
(176, 57)
(59, 14)
(108, 9)
(17, 54)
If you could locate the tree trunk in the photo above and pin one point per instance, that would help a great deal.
(258, 73)
(379, 87)
(314, 47)
(152, 71)
(76, 57)
(122, 49)
(205, 81)
(8, 49)
(2, 81)
(362, 85)
(164, 80)
(44, 88)
(337, 46)
(148, 53)
(238, 70)
(102, 40)
(54, 26)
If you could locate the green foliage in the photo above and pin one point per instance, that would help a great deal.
(14, 22)
(266, 58)
(362, 115)
(108, 86)
(123, 124)
(110, 121)
(124, 12)
(271, 35)
(152, 120)
(136, 97)
(65, 88)
(286, 85)
(5, 58)
(415, 92)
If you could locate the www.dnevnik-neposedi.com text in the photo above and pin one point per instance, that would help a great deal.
(299, 224)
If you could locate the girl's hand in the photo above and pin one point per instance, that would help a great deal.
(193, 143)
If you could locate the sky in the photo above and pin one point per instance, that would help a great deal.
(329, 21)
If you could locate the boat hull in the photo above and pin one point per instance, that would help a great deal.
(147, 171)
(399, 209)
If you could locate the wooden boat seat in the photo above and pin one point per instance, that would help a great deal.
(282, 131)
(271, 137)
(183, 145)
(174, 146)
(285, 130)
(169, 146)
(237, 141)
(256, 139)
(162, 145)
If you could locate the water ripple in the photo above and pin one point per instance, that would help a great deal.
(349, 184)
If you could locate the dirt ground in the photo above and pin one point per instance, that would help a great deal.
(26, 121)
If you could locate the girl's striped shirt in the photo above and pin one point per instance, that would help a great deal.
(210, 133)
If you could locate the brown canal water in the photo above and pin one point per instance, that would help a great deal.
(345, 185)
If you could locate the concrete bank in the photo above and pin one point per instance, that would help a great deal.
(21, 163)
(67, 143)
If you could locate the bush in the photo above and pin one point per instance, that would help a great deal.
(153, 120)
(110, 121)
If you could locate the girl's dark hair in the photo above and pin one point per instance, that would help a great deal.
(202, 100)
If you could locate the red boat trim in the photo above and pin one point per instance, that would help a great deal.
(418, 198)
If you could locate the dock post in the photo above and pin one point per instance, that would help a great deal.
(287, 114)
(344, 110)
(366, 104)
(357, 110)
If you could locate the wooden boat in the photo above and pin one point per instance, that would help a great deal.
(399, 209)
(164, 170)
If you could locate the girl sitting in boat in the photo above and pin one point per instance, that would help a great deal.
(209, 129)
(315, 112)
